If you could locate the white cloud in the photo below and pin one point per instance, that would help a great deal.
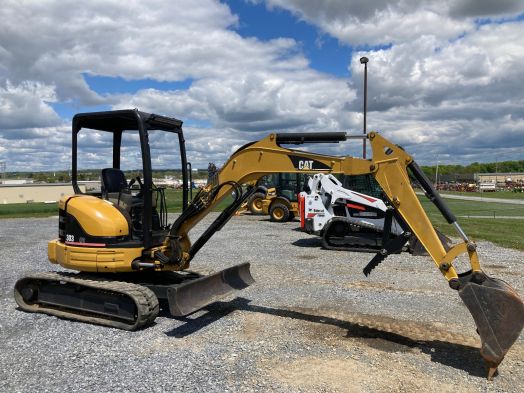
(26, 105)
(452, 96)
(161, 40)
(446, 86)
(382, 22)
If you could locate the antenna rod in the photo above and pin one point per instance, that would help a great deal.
(364, 60)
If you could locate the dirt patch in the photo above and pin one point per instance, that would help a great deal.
(323, 375)
(256, 325)
(375, 285)
(351, 375)
(380, 326)
(326, 324)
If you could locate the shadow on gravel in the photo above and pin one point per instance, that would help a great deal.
(463, 357)
(313, 242)
(458, 356)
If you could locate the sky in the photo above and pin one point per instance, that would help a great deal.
(445, 78)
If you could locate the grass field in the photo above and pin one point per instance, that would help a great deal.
(502, 231)
(497, 194)
(19, 210)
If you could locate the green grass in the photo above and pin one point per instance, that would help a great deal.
(504, 232)
(174, 200)
(19, 210)
(496, 194)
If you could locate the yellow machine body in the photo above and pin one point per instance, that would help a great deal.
(92, 259)
(101, 220)
(98, 217)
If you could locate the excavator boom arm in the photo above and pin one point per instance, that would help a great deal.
(389, 166)
(496, 308)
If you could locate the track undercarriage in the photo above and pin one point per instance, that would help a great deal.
(347, 234)
(125, 301)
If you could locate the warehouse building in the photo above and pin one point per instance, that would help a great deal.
(501, 177)
(29, 193)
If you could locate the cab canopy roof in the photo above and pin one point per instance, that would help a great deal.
(127, 119)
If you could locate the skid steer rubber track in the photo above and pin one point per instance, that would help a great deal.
(349, 241)
(86, 298)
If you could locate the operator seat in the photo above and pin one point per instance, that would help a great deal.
(116, 189)
(113, 180)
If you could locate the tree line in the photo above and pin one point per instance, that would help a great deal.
(476, 167)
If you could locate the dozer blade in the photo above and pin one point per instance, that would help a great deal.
(498, 312)
(193, 295)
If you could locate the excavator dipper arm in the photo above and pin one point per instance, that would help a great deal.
(496, 307)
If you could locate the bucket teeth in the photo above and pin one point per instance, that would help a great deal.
(492, 371)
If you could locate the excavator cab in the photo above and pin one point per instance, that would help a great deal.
(140, 201)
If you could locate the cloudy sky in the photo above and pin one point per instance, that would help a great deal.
(445, 77)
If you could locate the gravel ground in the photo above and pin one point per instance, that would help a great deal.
(311, 323)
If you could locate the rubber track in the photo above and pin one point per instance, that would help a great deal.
(145, 300)
(356, 223)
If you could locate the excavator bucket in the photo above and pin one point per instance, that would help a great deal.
(191, 296)
(498, 312)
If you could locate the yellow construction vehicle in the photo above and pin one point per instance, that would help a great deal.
(280, 198)
(130, 256)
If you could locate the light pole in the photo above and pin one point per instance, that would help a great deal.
(364, 60)
(436, 175)
(496, 174)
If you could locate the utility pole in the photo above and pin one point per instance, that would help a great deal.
(364, 60)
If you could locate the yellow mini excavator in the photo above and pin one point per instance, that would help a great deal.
(129, 257)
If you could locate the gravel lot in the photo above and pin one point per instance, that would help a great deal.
(311, 323)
